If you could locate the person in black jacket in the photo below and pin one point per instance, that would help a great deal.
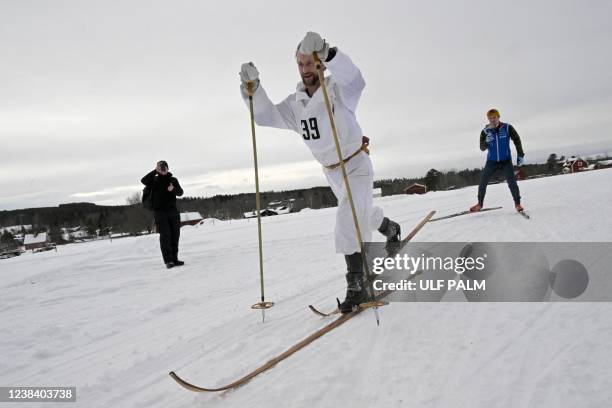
(164, 190)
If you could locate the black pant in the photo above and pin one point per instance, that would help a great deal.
(169, 227)
(489, 169)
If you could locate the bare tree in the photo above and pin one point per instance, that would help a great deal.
(134, 198)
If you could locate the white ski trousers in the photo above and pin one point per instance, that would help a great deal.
(361, 179)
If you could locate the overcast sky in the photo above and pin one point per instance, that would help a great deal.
(93, 93)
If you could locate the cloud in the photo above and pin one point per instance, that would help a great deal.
(94, 93)
(107, 192)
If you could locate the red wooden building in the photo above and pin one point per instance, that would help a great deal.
(416, 188)
(575, 164)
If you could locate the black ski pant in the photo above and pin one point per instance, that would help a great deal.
(169, 227)
(489, 169)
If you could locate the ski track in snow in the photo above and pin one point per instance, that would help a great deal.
(111, 320)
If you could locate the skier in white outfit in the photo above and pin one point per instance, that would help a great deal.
(305, 113)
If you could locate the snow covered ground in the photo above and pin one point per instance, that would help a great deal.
(109, 319)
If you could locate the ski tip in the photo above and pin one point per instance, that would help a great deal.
(319, 313)
(316, 311)
(195, 388)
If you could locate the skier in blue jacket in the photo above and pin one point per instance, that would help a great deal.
(495, 138)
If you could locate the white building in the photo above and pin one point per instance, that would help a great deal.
(33, 241)
(74, 233)
(190, 218)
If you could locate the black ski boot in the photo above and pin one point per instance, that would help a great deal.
(392, 231)
(356, 292)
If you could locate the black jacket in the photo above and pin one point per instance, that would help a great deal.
(160, 196)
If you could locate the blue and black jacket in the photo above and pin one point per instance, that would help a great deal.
(499, 148)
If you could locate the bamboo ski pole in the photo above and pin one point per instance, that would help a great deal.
(263, 305)
(319, 67)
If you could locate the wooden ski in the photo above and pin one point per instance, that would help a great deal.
(293, 349)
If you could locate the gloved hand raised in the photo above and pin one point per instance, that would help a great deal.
(313, 42)
(489, 139)
(249, 73)
(520, 160)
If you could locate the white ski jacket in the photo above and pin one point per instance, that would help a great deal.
(308, 116)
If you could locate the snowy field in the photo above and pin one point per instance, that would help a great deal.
(109, 319)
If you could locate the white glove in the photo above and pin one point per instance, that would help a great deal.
(489, 139)
(313, 42)
(249, 73)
